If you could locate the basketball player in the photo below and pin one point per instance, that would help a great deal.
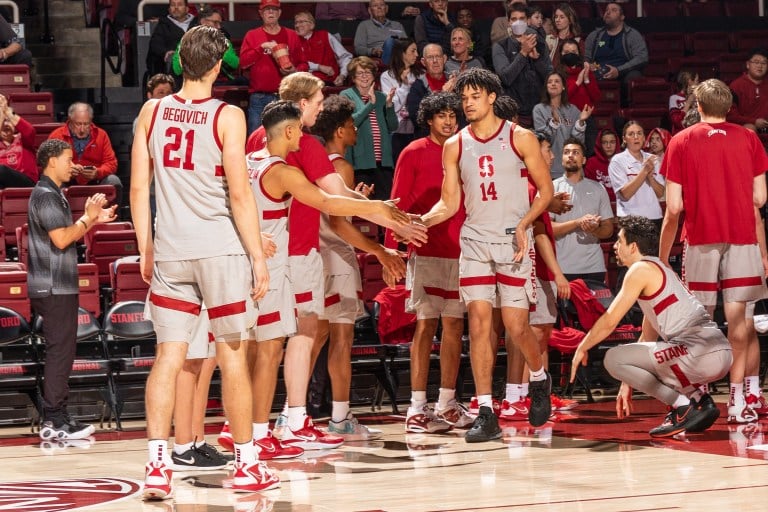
(193, 145)
(692, 351)
(305, 90)
(275, 184)
(715, 172)
(433, 270)
(490, 160)
(343, 287)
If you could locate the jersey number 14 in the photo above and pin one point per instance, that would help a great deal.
(488, 190)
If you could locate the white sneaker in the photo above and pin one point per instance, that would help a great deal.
(351, 430)
(741, 413)
(761, 323)
(309, 437)
(455, 414)
(424, 421)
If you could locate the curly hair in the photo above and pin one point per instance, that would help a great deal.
(336, 110)
(641, 231)
(433, 104)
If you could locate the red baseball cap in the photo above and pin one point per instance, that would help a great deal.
(269, 3)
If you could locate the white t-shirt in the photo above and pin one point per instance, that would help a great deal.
(623, 168)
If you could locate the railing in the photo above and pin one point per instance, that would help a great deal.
(110, 43)
(14, 8)
(231, 6)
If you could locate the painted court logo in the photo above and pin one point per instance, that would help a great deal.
(56, 495)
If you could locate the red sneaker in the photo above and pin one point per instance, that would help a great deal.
(562, 404)
(514, 410)
(270, 448)
(474, 407)
(758, 404)
(254, 478)
(158, 481)
(225, 438)
(309, 437)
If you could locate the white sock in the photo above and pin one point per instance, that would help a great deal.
(485, 401)
(752, 385)
(245, 453)
(418, 400)
(158, 450)
(339, 411)
(737, 394)
(524, 390)
(681, 401)
(200, 443)
(260, 430)
(445, 396)
(514, 392)
(284, 412)
(178, 449)
(296, 416)
(538, 375)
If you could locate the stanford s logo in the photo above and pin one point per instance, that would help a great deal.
(56, 495)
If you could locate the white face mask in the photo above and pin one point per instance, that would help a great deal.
(518, 28)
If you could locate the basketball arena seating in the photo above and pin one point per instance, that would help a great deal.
(126, 281)
(14, 293)
(14, 78)
(14, 203)
(35, 107)
(78, 194)
(106, 243)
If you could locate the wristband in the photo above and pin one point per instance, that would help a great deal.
(85, 225)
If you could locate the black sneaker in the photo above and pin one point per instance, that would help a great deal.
(709, 414)
(485, 428)
(539, 392)
(63, 427)
(196, 459)
(678, 420)
(215, 454)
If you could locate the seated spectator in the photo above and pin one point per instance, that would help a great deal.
(616, 51)
(597, 165)
(750, 94)
(341, 11)
(11, 51)
(582, 86)
(567, 28)
(167, 35)
(480, 43)
(404, 69)
(158, 86)
(18, 166)
(434, 80)
(373, 34)
(461, 57)
(325, 55)
(559, 119)
(522, 63)
(265, 66)
(500, 25)
(635, 177)
(211, 17)
(683, 100)
(434, 26)
(93, 159)
(375, 119)
(578, 232)
(656, 142)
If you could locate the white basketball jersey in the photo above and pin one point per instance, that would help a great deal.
(673, 309)
(194, 219)
(273, 211)
(495, 182)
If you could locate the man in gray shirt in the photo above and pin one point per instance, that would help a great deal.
(372, 34)
(578, 232)
(53, 283)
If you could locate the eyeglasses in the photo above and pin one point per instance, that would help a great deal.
(635, 134)
(758, 62)
(433, 57)
(301, 22)
(364, 73)
(84, 124)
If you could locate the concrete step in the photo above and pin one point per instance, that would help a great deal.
(76, 79)
(66, 36)
(84, 50)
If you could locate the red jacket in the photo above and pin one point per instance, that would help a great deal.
(317, 49)
(263, 71)
(750, 101)
(584, 94)
(597, 165)
(98, 152)
(20, 155)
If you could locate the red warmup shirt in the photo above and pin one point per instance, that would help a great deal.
(543, 271)
(264, 73)
(418, 183)
(715, 164)
(303, 220)
(751, 101)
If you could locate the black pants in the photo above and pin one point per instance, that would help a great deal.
(380, 178)
(587, 276)
(60, 333)
(12, 178)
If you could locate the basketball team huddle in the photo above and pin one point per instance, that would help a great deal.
(252, 247)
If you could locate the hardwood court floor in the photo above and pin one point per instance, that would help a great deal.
(584, 461)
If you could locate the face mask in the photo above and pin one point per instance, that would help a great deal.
(570, 59)
(518, 27)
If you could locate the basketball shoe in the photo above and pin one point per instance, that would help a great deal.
(679, 420)
(309, 437)
(158, 481)
(198, 459)
(513, 411)
(710, 413)
(225, 438)
(455, 415)
(563, 404)
(254, 477)
(62, 427)
(485, 428)
(351, 430)
(741, 412)
(474, 407)
(425, 421)
(270, 447)
(758, 404)
(541, 407)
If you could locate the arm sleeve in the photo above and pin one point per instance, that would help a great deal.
(297, 55)
(389, 114)
(250, 51)
(343, 57)
(415, 95)
(637, 50)
(605, 203)
(542, 119)
(617, 175)
(358, 116)
(361, 39)
(508, 70)
(230, 57)
(589, 47)
(108, 160)
(27, 132)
